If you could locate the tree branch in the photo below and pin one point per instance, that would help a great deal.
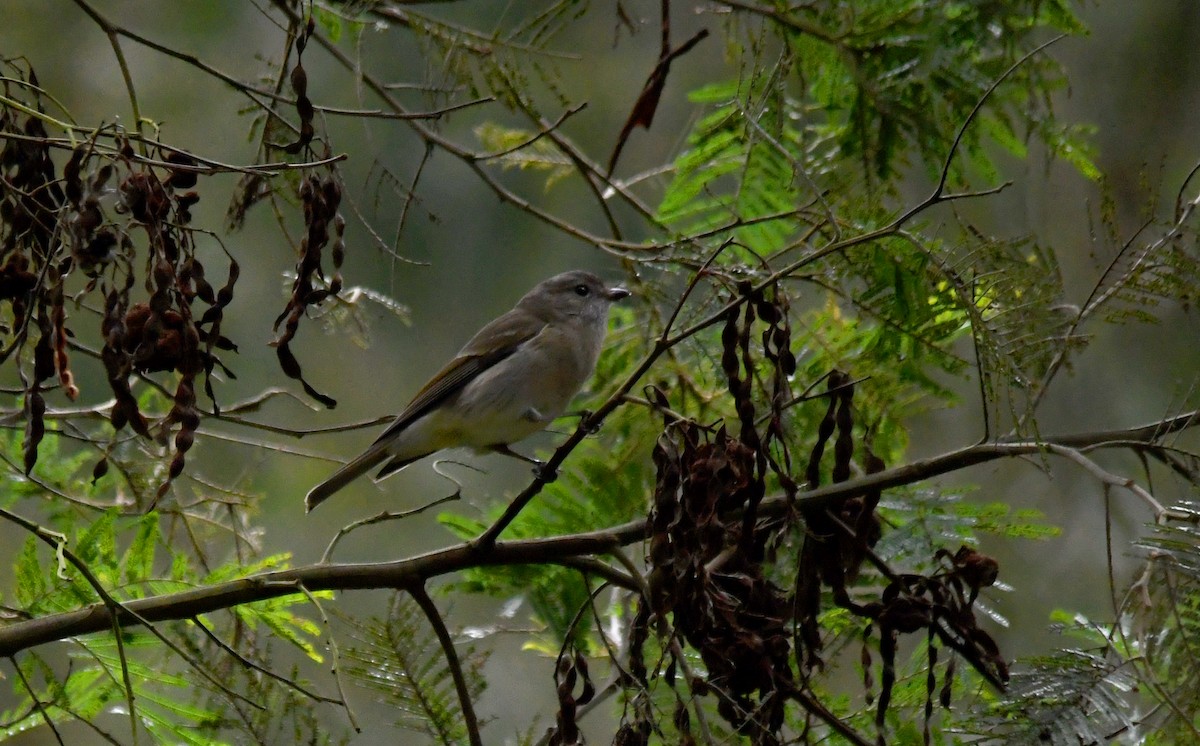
(432, 614)
(568, 550)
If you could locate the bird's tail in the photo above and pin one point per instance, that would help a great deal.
(343, 476)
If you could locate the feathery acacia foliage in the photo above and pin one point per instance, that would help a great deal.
(747, 518)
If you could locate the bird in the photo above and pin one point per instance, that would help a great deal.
(516, 375)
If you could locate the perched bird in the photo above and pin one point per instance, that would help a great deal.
(513, 378)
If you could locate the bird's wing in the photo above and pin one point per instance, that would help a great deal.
(491, 344)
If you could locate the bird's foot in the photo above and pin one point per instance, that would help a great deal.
(544, 472)
(585, 421)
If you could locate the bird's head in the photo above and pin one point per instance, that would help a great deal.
(575, 294)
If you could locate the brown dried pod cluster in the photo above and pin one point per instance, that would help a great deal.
(837, 537)
(120, 220)
(717, 594)
(572, 669)
(163, 333)
(711, 554)
(94, 243)
(31, 272)
(323, 224)
(155, 343)
(942, 604)
(708, 547)
(767, 307)
(304, 106)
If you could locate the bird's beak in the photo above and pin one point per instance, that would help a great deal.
(615, 294)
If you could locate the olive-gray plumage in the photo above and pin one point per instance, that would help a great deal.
(513, 378)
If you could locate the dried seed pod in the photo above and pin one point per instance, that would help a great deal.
(15, 280)
(70, 174)
(100, 469)
(183, 207)
(144, 197)
(304, 107)
(35, 426)
(181, 178)
(99, 250)
(100, 180)
(767, 312)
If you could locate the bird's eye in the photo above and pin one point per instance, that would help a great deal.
(582, 290)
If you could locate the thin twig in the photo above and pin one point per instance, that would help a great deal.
(261, 669)
(1109, 478)
(387, 515)
(543, 132)
(41, 708)
(336, 666)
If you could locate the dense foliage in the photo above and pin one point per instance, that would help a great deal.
(736, 519)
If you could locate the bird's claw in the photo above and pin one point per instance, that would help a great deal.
(544, 472)
(585, 421)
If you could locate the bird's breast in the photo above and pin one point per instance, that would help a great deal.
(521, 394)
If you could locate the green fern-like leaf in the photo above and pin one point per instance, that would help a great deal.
(97, 545)
(138, 561)
(521, 149)
(1074, 696)
(399, 659)
(276, 614)
(29, 574)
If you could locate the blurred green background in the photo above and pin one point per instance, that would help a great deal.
(464, 258)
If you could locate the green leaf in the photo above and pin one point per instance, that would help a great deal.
(1000, 518)
(399, 658)
(524, 150)
(329, 21)
(29, 575)
(235, 570)
(98, 543)
(277, 616)
(138, 561)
